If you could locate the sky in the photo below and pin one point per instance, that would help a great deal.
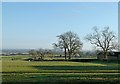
(27, 25)
(60, 0)
(119, 23)
(0, 27)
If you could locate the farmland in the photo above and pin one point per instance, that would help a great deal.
(21, 71)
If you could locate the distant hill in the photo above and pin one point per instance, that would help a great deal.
(8, 51)
(15, 50)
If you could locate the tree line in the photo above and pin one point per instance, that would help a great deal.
(104, 41)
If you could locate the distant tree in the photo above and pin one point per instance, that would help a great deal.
(116, 46)
(50, 53)
(33, 53)
(103, 40)
(37, 54)
(70, 43)
(41, 53)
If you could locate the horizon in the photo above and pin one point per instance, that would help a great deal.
(36, 25)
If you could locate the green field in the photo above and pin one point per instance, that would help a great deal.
(18, 70)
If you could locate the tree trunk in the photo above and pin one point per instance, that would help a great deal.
(69, 56)
(105, 55)
(65, 54)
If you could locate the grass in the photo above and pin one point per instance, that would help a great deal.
(58, 71)
(58, 77)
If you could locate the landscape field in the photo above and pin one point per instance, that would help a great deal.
(52, 72)
(59, 42)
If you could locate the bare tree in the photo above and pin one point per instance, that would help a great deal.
(37, 54)
(116, 46)
(33, 53)
(103, 40)
(70, 43)
(62, 43)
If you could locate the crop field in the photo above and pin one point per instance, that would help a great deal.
(41, 72)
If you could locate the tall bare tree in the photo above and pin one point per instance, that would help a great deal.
(62, 43)
(70, 43)
(103, 40)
